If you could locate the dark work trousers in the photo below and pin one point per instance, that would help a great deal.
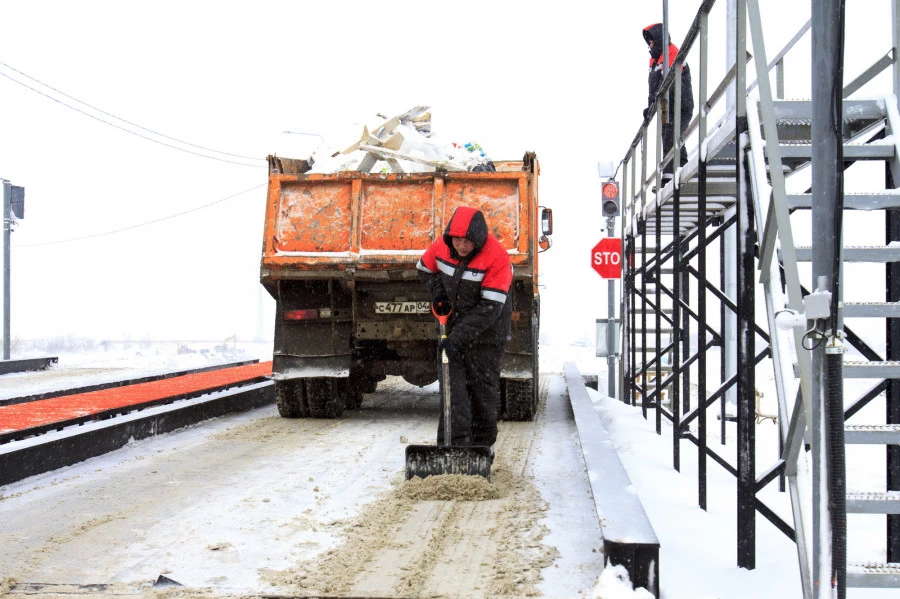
(668, 139)
(474, 395)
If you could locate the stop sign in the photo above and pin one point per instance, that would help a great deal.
(606, 258)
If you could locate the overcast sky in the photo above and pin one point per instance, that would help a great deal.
(566, 79)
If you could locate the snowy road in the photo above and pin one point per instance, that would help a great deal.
(259, 504)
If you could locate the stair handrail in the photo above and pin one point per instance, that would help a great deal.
(877, 67)
(783, 347)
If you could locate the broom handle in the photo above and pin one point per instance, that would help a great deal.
(445, 375)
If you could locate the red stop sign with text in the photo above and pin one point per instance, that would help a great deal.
(606, 258)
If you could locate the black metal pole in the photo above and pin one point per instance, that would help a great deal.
(686, 343)
(746, 350)
(628, 303)
(827, 204)
(746, 382)
(659, 321)
(644, 318)
(676, 320)
(701, 336)
(892, 395)
(723, 346)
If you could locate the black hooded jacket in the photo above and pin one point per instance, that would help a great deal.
(655, 79)
(478, 285)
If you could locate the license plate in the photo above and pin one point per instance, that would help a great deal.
(402, 307)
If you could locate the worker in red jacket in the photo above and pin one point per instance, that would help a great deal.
(469, 270)
(653, 35)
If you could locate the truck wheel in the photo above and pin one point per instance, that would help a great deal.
(368, 384)
(290, 397)
(518, 395)
(352, 389)
(323, 397)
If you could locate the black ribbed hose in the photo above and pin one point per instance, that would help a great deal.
(837, 472)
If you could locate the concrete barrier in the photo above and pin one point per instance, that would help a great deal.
(628, 537)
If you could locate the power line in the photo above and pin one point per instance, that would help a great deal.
(144, 224)
(104, 121)
(100, 110)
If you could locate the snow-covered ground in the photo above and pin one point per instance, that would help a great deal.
(698, 548)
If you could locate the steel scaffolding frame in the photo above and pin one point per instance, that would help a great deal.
(735, 182)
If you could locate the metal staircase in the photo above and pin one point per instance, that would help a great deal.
(746, 178)
(869, 127)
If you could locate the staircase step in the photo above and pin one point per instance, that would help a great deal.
(872, 434)
(872, 309)
(873, 502)
(871, 370)
(853, 201)
(873, 151)
(858, 254)
(873, 575)
(801, 110)
(689, 204)
(714, 187)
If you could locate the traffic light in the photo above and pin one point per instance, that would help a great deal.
(610, 190)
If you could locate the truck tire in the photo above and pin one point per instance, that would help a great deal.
(518, 397)
(353, 391)
(290, 397)
(324, 398)
(368, 384)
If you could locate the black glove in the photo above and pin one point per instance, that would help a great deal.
(449, 347)
(441, 304)
(646, 112)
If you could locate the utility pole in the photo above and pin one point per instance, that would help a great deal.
(7, 228)
(13, 206)
(611, 313)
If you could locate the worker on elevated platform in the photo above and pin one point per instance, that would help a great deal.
(653, 36)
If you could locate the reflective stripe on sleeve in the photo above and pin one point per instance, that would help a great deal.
(494, 296)
(421, 266)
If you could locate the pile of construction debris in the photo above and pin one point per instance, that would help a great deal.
(399, 144)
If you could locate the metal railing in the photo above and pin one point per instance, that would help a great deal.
(759, 218)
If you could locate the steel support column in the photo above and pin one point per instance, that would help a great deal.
(701, 278)
(643, 226)
(723, 376)
(829, 525)
(745, 229)
(658, 299)
(892, 395)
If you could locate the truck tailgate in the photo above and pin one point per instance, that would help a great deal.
(328, 221)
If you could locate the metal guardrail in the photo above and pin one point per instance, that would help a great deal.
(112, 385)
(53, 450)
(11, 366)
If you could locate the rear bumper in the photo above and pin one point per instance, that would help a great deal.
(287, 367)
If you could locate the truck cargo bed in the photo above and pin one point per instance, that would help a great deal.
(365, 221)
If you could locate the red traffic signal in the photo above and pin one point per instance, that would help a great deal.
(610, 192)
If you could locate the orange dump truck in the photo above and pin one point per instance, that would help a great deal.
(339, 257)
